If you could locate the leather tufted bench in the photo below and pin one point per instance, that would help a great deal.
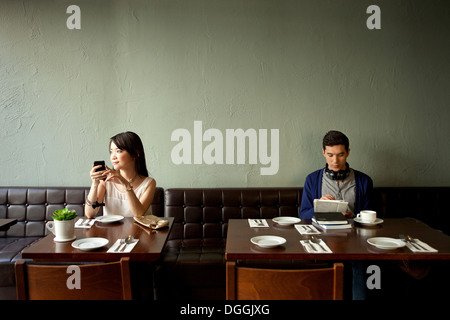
(193, 263)
(32, 207)
(427, 204)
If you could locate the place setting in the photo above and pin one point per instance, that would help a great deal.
(415, 245)
(315, 245)
(90, 244)
(306, 229)
(258, 223)
(87, 223)
(123, 245)
(84, 223)
(386, 243)
(268, 241)
(111, 218)
(286, 220)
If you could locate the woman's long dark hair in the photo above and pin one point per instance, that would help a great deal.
(131, 142)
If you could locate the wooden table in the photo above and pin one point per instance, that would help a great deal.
(6, 223)
(348, 244)
(151, 243)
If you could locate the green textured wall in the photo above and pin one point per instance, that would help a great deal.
(302, 67)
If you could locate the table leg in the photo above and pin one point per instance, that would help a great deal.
(231, 280)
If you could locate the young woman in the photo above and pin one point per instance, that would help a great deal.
(126, 189)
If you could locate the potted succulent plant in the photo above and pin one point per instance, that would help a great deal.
(63, 226)
(64, 215)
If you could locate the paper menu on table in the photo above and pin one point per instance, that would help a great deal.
(330, 205)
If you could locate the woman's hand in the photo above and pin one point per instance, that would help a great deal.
(96, 192)
(115, 176)
(97, 176)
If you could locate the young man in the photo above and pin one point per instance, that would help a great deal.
(337, 181)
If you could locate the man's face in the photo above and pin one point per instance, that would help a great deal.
(336, 157)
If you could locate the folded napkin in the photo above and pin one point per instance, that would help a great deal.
(84, 223)
(117, 247)
(312, 247)
(306, 229)
(419, 246)
(258, 223)
(151, 221)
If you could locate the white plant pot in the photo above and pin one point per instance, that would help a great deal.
(63, 230)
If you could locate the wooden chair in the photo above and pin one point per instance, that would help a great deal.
(103, 281)
(247, 283)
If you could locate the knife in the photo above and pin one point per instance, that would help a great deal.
(309, 245)
(312, 245)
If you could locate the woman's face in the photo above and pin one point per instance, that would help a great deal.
(120, 159)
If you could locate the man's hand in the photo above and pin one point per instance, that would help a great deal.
(348, 214)
(327, 197)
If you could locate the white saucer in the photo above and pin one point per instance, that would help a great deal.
(109, 218)
(386, 243)
(377, 221)
(56, 239)
(268, 241)
(88, 244)
(286, 221)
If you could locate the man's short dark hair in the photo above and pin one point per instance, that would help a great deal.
(334, 138)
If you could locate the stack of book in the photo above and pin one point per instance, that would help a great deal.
(331, 220)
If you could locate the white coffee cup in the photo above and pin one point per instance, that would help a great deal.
(367, 216)
(63, 230)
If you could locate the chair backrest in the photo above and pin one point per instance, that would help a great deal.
(287, 284)
(103, 281)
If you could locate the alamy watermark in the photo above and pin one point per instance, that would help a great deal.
(74, 280)
(74, 20)
(227, 148)
(374, 280)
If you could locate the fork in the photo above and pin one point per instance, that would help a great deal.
(259, 222)
(121, 243)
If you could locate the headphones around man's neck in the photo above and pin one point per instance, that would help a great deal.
(340, 175)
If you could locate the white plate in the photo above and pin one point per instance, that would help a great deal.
(268, 241)
(377, 221)
(286, 221)
(109, 218)
(88, 244)
(386, 243)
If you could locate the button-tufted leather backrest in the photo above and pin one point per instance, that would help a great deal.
(427, 204)
(33, 206)
(204, 213)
